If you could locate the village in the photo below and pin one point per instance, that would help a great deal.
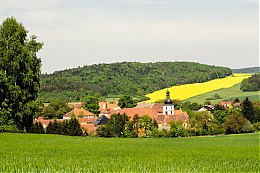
(164, 114)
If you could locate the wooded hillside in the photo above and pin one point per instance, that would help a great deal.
(247, 70)
(133, 78)
(251, 84)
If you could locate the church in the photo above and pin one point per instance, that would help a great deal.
(163, 113)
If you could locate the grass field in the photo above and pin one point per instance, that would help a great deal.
(226, 93)
(51, 153)
(186, 91)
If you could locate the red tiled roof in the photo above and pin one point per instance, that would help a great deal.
(178, 116)
(86, 120)
(107, 105)
(46, 122)
(78, 112)
(158, 107)
(89, 127)
(224, 103)
(131, 112)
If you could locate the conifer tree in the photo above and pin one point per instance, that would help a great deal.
(248, 110)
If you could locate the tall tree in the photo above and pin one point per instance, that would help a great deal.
(91, 104)
(248, 110)
(126, 102)
(19, 73)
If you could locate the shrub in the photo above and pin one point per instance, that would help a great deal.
(9, 128)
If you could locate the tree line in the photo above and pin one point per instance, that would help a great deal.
(251, 84)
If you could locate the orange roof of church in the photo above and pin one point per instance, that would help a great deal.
(131, 112)
(78, 112)
(178, 116)
(158, 107)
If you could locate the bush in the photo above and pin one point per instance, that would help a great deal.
(9, 128)
(236, 123)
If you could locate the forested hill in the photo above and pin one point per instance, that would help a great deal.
(133, 78)
(247, 70)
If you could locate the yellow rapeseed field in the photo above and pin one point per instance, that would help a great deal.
(190, 90)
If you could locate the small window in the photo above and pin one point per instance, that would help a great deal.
(166, 112)
(166, 108)
(171, 112)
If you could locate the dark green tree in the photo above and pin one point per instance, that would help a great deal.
(126, 102)
(248, 110)
(236, 123)
(74, 127)
(56, 109)
(146, 125)
(19, 73)
(91, 104)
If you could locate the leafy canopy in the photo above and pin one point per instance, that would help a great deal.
(19, 73)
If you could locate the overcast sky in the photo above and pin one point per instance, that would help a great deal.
(82, 32)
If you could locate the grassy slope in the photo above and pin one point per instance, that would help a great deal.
(226, 94)
(186, 91)
(50, 153)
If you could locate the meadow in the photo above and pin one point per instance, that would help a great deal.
(186, 91)
(54, 153)
(226, 93)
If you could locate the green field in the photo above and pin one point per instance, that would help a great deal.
(53, 153)
(226, 94)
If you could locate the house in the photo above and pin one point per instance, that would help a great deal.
(206, 108)
(178, 116)
(225, 104)
(45, 123)
(105, 108)
(86, 123)
(237, 104)
(102, 120)
(78, 113)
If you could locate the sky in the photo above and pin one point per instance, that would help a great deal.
(84, 32)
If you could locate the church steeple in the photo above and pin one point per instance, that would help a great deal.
(168, 99)
(168, 107)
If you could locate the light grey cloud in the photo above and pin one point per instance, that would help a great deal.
(75, 33)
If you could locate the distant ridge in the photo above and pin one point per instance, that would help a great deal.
(247, 70)
(125, 78)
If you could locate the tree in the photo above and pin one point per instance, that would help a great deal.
(91, 104)
(56, 109)
(146, 124)
(126, 102)
(203, 121)
(236, 123)
(19, 73)
(248, 110)
(116, 126)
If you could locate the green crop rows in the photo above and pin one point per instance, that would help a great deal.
(53, 153)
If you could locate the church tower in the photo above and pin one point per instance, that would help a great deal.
(168, 107)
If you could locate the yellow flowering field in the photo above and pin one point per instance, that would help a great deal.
(190, 90)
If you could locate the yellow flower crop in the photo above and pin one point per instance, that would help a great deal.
(190, 90)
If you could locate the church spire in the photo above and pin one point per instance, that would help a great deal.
(168, 98)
